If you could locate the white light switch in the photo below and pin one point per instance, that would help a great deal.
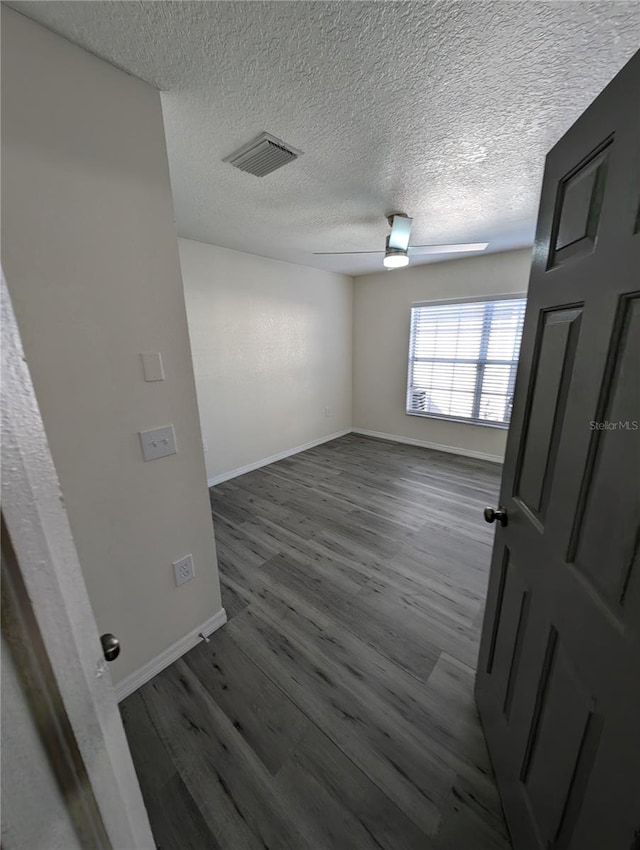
(152, 366)
(159, 442)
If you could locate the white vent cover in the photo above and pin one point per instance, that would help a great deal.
(262, 155)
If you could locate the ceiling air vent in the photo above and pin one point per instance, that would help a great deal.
(262, 155)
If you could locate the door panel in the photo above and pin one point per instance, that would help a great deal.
(579, 207)
(510, 627)
(558, 682)
(550, 384)
(605, 539)
(563, 711)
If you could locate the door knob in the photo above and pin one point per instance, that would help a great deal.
(501, 515)
(110, 646)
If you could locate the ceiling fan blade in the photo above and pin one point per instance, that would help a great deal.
(457, 248)
(339, 253)
(400, 232)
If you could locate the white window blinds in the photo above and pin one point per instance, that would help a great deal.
(463, 358)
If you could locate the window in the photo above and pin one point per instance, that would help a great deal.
(463, 357)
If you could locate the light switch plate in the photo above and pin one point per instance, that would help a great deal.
(159, 442)
(152, 366)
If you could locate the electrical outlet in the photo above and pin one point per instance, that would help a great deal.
(183, 570)
(327, 411)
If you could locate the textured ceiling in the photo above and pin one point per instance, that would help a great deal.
(442, 110)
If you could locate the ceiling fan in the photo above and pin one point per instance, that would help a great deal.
(397, 249)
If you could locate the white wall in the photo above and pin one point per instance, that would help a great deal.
(35, 814)
(90, 255)
(382, 306)
(272, 349)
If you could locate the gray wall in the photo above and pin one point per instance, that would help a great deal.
(382, 308)
(272, 353)
(90, 254)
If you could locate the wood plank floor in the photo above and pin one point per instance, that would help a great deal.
(335, 710)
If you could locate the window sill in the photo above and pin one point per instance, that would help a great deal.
(483, 423)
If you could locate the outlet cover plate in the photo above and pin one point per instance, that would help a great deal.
(183, 569)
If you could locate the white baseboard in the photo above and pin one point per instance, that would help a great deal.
(440, 447)
(234, 473)
(138, 678)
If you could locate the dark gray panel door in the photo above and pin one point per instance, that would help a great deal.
(558, 683)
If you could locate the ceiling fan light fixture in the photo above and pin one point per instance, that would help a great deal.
(395, 259)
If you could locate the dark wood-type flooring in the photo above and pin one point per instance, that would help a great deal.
(335, 710)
